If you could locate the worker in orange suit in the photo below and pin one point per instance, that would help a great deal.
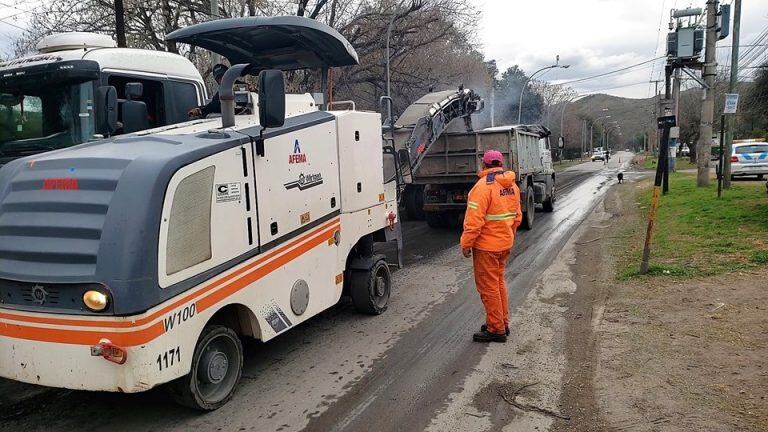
(492, 217)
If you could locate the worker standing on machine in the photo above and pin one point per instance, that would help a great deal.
(490, 223)
(214, 106)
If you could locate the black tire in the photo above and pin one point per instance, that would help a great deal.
(549, 204)
(435, 220)
(414, 202)
(213, 377)
(760, 176)
(529, 209)
(370, 289)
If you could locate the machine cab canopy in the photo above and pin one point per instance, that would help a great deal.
(283, 42)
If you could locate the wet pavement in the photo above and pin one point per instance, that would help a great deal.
(341, 371)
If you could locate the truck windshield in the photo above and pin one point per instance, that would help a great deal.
(45, 118)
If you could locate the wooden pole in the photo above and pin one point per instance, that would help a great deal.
(666, 124)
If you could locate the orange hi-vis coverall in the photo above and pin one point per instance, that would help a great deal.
(492, 217)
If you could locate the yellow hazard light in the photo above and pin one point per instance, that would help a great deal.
(95, 300)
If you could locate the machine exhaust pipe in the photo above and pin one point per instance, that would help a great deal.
(227, 94)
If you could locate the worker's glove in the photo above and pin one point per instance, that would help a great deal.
(467, 252)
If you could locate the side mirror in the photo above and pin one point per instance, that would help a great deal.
(271, 98)
(106, 109)
(134, 90)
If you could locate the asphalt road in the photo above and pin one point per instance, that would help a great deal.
(341, 371)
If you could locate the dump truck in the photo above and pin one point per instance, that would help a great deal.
(143, 259)
(67, 92)
(440, 184)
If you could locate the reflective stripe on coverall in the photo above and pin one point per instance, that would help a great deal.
(493, 214)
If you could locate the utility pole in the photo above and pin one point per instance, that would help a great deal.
(656, 102)
(215, 58)
(120, 23)
(493, 104)
(731, 119)
(703, 149)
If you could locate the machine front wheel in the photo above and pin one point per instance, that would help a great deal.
(370, 289)
(217, 365)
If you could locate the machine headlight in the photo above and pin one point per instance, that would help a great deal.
(95, 300)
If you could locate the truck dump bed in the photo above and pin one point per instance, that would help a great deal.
(455, 157)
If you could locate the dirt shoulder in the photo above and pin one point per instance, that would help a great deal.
(660, 353)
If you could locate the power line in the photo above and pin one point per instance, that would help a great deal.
(2, 21)
(16, 7)
(656, 48)
(614, 88)
(611, 72)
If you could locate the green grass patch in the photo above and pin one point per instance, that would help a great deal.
(759, 257)
(682, 163)
(697, 234)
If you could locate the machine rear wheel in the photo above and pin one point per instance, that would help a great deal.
(370, 290)
(217, 365)
(529, 209)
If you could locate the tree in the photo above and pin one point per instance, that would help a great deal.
(508, 98)
(690, 118)
(753, 117)
(432, 45)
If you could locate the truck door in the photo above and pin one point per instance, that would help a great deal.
(546, 154)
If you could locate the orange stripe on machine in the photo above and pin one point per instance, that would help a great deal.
(228, 285)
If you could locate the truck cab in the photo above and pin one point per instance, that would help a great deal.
(67, 93)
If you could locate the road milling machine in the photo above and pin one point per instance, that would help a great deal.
(143, 259)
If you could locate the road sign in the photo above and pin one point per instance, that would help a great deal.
(731, 103)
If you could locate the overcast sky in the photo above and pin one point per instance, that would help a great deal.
(593, 36)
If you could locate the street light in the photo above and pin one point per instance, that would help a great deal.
(395, 7)
(565, 105)
(522, 90)
(592, 130)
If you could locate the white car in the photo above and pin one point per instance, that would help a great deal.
(749, 159)
(598, 155)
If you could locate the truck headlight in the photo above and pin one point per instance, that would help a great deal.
(95, 300)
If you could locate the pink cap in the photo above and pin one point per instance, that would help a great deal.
(492, 155)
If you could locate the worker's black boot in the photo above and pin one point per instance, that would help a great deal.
(486, 336)
(485, 328)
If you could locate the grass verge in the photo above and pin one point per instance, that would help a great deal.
(697, 234)
(682, 163)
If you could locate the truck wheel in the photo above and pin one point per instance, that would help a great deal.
(414, 203)
(435, 220)
(529, 209)
(549, 203)
(370, 288)
(217, 365)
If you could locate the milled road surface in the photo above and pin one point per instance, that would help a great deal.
(342, 371)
